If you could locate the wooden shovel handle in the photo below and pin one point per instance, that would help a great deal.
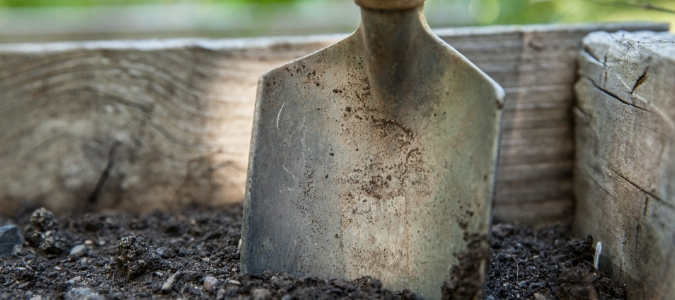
(389, 4)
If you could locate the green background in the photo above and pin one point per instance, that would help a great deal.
(42, 20)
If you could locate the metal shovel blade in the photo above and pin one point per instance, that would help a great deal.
(374, 157)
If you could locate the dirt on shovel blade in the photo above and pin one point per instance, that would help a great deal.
(194, 254)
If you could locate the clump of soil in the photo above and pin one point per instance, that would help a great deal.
(194, 254)
(42, 233)
(135, 258)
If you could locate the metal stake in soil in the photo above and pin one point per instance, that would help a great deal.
(374, 157)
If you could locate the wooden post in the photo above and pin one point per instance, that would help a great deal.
(625, 160)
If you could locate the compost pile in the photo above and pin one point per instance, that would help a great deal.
(194, 254)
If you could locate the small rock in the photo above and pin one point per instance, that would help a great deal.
(74, 280)
(538, 296)
(220, 294)
(168, 284)
(261, 294)
(9, 237)
(82, 294)
(287, 297)
(233, 282)
(210, 283)
(79, 250)
(165, 252)
(490, 297)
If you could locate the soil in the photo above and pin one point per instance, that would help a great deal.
(194, 254)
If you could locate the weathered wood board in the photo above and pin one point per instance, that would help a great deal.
(131, 125)
(625, 159)
(144, 124)
(536, 66)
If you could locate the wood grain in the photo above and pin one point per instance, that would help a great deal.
(537, 67)
(625, 167)
(145, 124)
(131, 125)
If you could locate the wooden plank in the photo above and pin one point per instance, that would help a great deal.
(131, 125)
(527, 212)
(530, 154)
(522, 61)
(625, 167)
(137, 125)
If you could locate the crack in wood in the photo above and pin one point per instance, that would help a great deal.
(615, 96)
(580, 112)
(640, 80)
(657, 198)
(586, 50)
(93, 198)
(598, 183)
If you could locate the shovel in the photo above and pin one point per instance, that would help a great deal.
(375, 157)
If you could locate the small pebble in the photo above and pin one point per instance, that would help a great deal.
(490, 298)
(220, 294)
(538, 296)
(79, 250)
(74, 280)
(210, 283)
(233, 282)
(261, 294)
(9, 237)
(82, 294)
(163, 252)
(168, 285)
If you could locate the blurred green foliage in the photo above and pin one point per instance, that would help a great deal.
(45, 3)
(553, 11)
(484, 12)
